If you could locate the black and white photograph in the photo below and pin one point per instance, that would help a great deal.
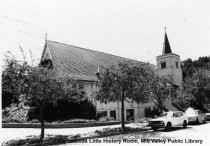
(105, 72)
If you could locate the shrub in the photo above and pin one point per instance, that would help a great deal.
(155, 112)
(79, 121)
(7, 99)
(14, 114)
(65, 110)
(14, 119)
(76, 136)
(34, 121)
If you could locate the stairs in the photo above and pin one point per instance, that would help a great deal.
(179, 106)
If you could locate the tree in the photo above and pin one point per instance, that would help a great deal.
(126, 80)
(13, 81)
(159, 89)
(46, 87)
(40, 85)
(195, 91)
(189, 67)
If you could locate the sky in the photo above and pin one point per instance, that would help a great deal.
(128, 28)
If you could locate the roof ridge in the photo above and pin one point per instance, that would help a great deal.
(92, 50)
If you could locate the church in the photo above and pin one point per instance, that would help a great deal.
(82, 64)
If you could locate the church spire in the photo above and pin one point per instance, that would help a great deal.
(166, 45)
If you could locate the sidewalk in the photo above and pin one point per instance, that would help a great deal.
(20, 133)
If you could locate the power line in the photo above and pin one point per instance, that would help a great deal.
(21, 31)
(22, 22)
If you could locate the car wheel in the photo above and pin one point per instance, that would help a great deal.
(154, 129)
(204, 121)
(168, 126)
(197, 121)
(185, 124)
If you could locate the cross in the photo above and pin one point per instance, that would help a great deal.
(46, 37)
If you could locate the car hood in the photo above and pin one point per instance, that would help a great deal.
(160, 119)
(191, 116)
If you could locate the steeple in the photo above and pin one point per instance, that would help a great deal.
(166, 45)
(168, 64)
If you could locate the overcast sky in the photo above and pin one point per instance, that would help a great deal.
(127, 28)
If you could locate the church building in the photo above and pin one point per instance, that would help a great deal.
(83, 64)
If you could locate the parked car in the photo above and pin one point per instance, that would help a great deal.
(208, 116)
(196, 116)
(168, 120)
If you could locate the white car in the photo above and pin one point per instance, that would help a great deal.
(168, 120)
(208, 116)
(196, 116)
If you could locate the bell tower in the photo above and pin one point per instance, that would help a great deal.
(168, 64)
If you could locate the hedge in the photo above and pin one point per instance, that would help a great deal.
(57, 125)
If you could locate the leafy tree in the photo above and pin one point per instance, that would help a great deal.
(195, 91)
(160, 89)
(13, 81)
(189, 67)
(46, 87)
(40, 85)
(126, 80)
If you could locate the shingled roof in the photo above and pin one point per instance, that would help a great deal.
(166, 46)
(79, 62)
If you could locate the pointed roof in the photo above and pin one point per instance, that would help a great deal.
(80, 62)
(166, 45)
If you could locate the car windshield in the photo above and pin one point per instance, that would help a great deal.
(166, 114)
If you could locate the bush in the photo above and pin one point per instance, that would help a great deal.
(34, 121)
(14, 114)
(7, 99)
(33, 113)
(65, 110)
(155, 112)
(79, 121)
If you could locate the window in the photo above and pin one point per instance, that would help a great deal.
(147, 112)
(130, 114)
(177, 65)
(101, 114)
(200, 112)
(113, 114)
(163, 64)
(178, 114)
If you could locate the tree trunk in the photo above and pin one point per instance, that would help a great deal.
(122, 113)
(42, 124)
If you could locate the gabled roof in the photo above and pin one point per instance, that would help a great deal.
(79, 62)
(166, 45)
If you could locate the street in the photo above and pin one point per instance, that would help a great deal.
(193, 134)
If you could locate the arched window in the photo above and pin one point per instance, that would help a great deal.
(163, 64)
(177, 64)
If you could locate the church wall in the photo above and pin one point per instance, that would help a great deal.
(139, 109)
